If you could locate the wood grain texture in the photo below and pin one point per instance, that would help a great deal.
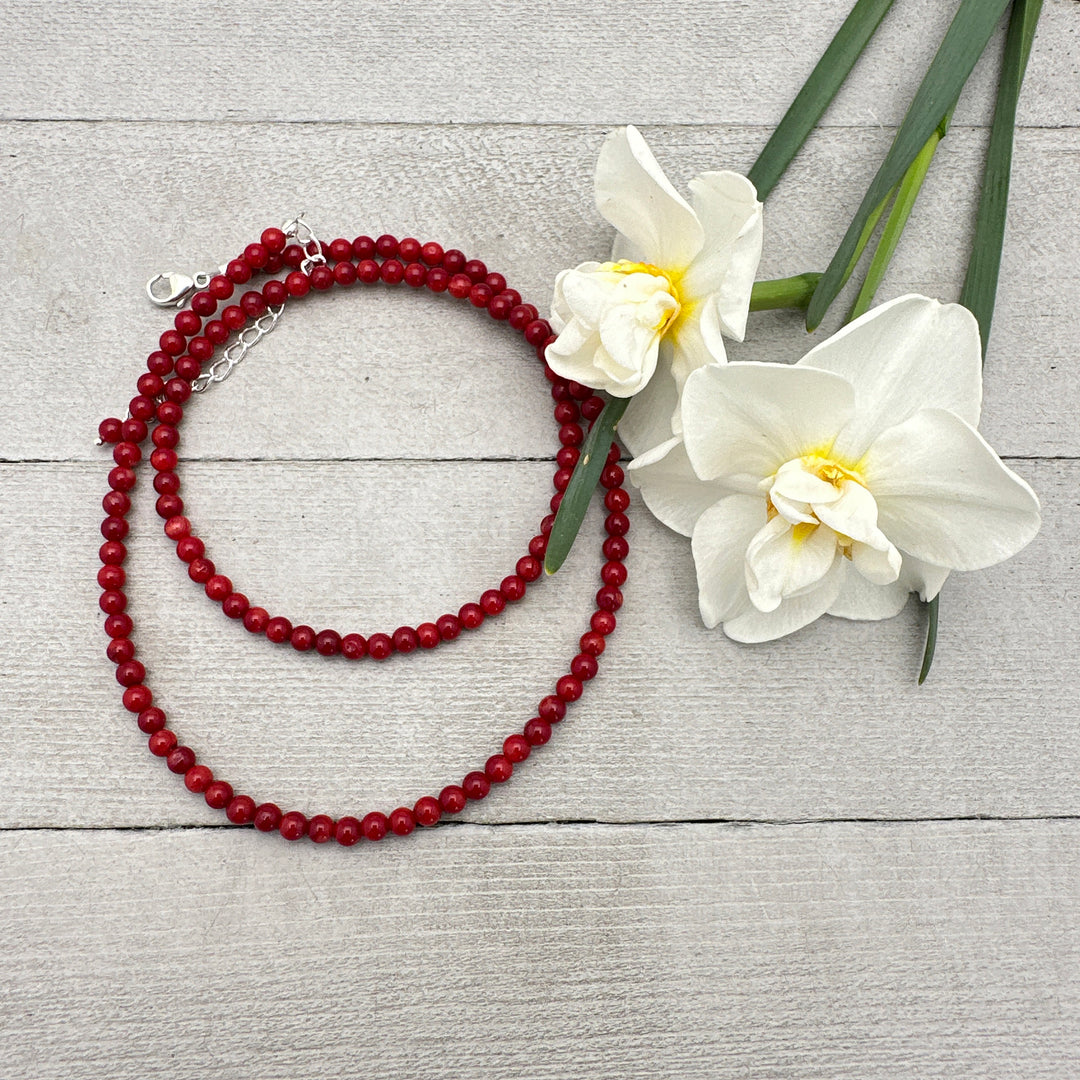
(681, 724)
(699, 952)
(551, 61)
(77, 325)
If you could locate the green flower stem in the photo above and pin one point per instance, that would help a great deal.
(980, 283)
(576, 498)
(789, 292)
(906, 193)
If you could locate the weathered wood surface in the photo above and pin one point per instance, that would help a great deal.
(702, 952)
(730, 861)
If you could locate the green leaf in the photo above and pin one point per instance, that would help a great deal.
(576, 497)
(817, 92)
(980, 283)
(906, 193)
(961, 47)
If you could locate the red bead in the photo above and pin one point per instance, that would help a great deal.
(454, 261)
(203, 305)
(476, 786)
(475, 269)
(267, 817)
(571, 435)
(449, 627)
(164, 460)
(238, 272)
(198, 778)
(189, 549)
(321, 828)
(592, 407)
(512, 588)
(130, 673)
(617, 500)
(178, 390)
(217, 587)
(612, 476)
(167, 483)
(427, 635)
(552, 709)
(172, 342)
(234, 318)
(379, 646)
(112, 601)
(409, 249)
(368, 271)
(235, 605)
(218, 795)
(427, 811)
(119, 626)
(495, 282)
(345, 274)
(302, 638)
(516, 748)
(111, 578)
(297, 283)
(241, 810)
(405, 639)
(499, 308)
(150, 385)
(275, 293)
(609, 598)
(432, 253)
(438, 280)
(322, 278)
(374, 826)
(603, 622)
(177, 527)
(538, 546)
(522, 315)
(121, 478)
(616, 548)
(256, 256)
(340, 249)
(452, 799)
(274, 240)
(386, 246)
(134, 429)
(160, 363)
(252, 304)
(499, 768)
(584, 667)
(559, 391)
(480, 296)
(256, 619)
(328, 643)
(200, 570)
(353, 646)
(216, 332)
(161, 743)
(537, 731)
(363, 247)
(561, 479)
(278, 630)
(347, 831)
(114, 528)
(537, 332)
(293, 825)
(220, 287)
(512, 296)
(613, 573)
(569, 688)
(566, 412)
(460, 286)
(151, 720)
(492, 601)
(402, 821)
(567, 457)
(592, 643)
(529, 567)
(471, 616)
(109, 430)
(180, 759)
(112, 553)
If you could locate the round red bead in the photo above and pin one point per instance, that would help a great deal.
(267, 817)
(374, 825)
(293, 825)
(241, 810)
(427, 811)
(321, 828)
(402, 821)
(198, 778)
(452, 799)
(347, 831)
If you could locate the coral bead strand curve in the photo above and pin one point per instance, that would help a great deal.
(161, 400)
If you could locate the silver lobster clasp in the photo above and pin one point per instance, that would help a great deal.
(170, 289)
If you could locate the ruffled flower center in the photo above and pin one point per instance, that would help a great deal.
(653, 292)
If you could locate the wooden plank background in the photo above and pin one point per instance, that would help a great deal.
(773, 861)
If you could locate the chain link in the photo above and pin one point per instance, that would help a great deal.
(295, 229)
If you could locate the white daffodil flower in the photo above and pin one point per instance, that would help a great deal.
(679, 280)
(842, 483)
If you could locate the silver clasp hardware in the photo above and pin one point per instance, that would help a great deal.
(172, 288)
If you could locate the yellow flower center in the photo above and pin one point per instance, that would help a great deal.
(667, 283)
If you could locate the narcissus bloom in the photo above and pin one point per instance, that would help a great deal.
(841, 483)
(680, 276)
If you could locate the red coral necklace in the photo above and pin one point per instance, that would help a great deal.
(185, 363)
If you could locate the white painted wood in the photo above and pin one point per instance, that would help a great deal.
(99, 208)
(681, 724)
(555, 61)
(853, 951)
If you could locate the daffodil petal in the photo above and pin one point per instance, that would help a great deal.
(750, 625)
(791, 510)
(861, 599)
(695, 341)
(633, 347)
(742, 421)
(719, 541)
(853, 514)
(670, 488)
(647, 421)
(908, 354)
(728, 208)
(784, 561)
(792, 481)
(944, 495)
(587, 293)
(921, 577)
(635, 196)
(880, 565)
(572, 355)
